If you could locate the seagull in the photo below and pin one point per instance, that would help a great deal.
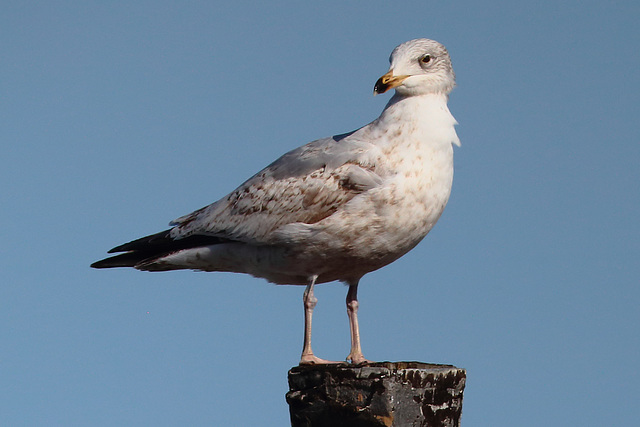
(334, 209)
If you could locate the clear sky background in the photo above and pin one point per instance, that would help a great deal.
(117, 117)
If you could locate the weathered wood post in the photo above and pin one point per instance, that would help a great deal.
(376, 394)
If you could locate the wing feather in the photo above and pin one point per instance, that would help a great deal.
(305, 185)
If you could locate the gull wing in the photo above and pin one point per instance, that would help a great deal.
(305, 185)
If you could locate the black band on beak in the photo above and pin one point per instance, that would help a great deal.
(381, 86)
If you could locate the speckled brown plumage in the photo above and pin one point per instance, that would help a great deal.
(336, 208)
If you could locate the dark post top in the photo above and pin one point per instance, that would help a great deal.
(376, 394)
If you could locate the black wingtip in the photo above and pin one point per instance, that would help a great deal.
(129, 259)
(153, 247)
(143, 242)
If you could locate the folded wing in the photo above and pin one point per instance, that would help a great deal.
(305, 185)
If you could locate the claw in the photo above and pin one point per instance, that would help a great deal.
(311, 359)
(358, 359)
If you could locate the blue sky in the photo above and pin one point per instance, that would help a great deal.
(117, 117)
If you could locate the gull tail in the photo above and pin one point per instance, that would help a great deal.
(145, 250)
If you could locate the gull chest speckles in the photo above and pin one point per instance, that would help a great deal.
(335, 208)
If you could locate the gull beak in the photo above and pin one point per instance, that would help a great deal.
(388, 81)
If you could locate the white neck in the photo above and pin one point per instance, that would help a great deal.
(428, 113)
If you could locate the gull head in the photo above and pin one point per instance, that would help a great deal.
(418, 67)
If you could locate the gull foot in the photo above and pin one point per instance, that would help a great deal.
(357, 359)
(310, 359)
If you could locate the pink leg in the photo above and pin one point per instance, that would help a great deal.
(355, 356)
(310, 301)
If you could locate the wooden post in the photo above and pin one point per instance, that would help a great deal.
(376, 394)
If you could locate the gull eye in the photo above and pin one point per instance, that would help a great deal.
(425, 59)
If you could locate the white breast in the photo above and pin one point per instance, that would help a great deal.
(415, 156)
